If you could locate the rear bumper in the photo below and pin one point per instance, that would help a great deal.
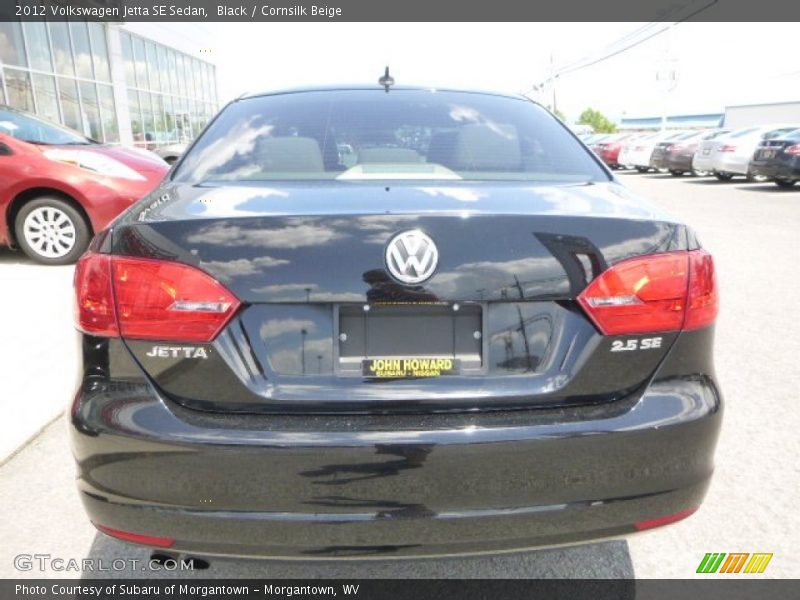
(403, 485)
(660, 162)
(703, 162)
(680, 162)
(776, 170)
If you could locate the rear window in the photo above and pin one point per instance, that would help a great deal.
(371, 134)
(775, 133)
(743, 132)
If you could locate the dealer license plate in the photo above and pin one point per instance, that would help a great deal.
(409, 368)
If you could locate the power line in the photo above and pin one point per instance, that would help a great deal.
(613, 49)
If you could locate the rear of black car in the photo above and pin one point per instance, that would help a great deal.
(778, 159)
(359, 323)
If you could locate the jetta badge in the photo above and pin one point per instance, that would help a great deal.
(411, 256)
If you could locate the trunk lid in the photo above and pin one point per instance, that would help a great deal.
(319, 306)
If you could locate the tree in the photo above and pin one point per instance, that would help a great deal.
(597, 121)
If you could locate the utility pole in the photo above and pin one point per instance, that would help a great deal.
(667, 76)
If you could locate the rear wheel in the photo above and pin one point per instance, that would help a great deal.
(51, 231)
(785, 183)
(675, 173)
(723, 176)
(642, 169)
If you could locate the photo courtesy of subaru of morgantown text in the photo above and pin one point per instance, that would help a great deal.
(392, 321)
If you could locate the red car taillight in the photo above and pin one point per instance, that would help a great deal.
(727, 148)
(147, 299)
(655, 293)
(793, 150)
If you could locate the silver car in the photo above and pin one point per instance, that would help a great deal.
(171, 152)
(730, 155)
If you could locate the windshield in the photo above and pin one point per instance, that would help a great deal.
(37, 131)
(371, 134)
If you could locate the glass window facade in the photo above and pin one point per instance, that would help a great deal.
(62, 71)
(171, 95)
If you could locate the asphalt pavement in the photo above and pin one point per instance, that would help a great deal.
(752, 230)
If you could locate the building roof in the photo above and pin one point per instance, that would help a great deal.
(673, 121)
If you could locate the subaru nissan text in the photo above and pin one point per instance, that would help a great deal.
(376, 322)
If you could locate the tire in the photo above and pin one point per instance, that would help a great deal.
(51, 231)
(642, 169)
(675, 173)
(170, 160)
(785, 183)
(723, 176)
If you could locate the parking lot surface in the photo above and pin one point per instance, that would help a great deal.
(752, 230)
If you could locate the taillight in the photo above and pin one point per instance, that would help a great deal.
(727, 148)
(655, 293)
(94, 306)
(147, 299)
(793, 150)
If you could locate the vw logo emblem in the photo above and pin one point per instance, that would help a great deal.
(411, 256)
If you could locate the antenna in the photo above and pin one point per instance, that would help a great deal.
(387, 80)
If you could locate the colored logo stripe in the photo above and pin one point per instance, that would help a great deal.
(711, 562)
(735, 561)
(758, 563)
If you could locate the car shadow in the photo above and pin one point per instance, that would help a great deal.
(769, 188)
(10, 257)
(601, 560)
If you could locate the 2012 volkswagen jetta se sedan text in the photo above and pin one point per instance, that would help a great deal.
(358, 322)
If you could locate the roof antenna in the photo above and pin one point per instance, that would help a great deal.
(387, 80)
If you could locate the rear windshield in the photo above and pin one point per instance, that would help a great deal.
(402, 134)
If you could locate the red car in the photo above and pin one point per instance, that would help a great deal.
(57, 187)
(608, 149)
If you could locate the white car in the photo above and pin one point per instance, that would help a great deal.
(629, 146)
(641, 150)
(730, 155)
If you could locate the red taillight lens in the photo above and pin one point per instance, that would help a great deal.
(649, 294)
(702, 304)
(727, 148)
(151, 299)
(793, 150)
(137, 538)
(94, 306)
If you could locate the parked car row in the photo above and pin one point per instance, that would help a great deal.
(766, 152)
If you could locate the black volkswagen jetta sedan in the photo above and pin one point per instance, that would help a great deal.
(362, 323)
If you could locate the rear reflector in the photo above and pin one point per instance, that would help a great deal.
(727, 148)
(654, 293)
(137, 538)
(665, 520)
(147, 299)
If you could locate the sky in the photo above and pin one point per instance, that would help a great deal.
(717, 64)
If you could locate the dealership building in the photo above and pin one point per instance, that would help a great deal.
(137, 83)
